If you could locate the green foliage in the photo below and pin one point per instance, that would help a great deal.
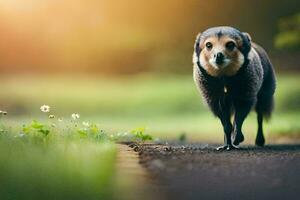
(86, 151)
(140, 135)
(59, 169)
(92, 131)
(36, 128)
(289, 33)
(33, 159)
(182, 137)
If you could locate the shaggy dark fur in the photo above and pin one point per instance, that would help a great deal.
(252, 86)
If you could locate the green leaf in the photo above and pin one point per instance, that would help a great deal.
(36, 125)
(82, 133)
(44, 131)
(26, 129)
(139, 133)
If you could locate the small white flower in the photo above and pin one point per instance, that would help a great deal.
(45, 108)
(75, 116)
(87, 124)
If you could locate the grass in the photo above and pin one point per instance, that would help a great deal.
(56, 171)
(54, 167)
(60, 159)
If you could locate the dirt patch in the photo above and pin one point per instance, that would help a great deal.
(197, 171)
(132, 181)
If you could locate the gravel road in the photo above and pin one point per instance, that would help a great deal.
(197, 171)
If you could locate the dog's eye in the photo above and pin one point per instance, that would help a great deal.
(208, 45)
(230, 45)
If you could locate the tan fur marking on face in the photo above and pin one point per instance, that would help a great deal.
(235, 56)
(205, 56)
(213, 40)
(239, 42)
(236, 63)
(204, 62)
(224, 39)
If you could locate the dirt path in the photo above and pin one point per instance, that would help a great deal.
(132, 181)
(199, 172)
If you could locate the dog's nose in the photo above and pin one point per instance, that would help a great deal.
(219, 58)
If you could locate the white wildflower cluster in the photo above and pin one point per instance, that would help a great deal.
(86, 124)
(84, 129)
(46, 109)
(75, 116)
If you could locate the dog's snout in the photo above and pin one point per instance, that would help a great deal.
(219, 58)
(220, 55)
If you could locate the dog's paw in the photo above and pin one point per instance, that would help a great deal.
(227, 148)
(260, 141)
(239, 138)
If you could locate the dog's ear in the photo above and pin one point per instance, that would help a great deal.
(197, 44)
(247, 35)
(246, 43)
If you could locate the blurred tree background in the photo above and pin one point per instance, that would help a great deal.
(288, 37)
(101, 36)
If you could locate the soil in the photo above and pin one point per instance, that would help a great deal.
(198, 171)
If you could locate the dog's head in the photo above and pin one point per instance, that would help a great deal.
(221, 50)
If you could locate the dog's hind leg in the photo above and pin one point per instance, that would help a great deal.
(264, 107)
(260, 139)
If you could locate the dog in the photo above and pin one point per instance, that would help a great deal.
(234, 75)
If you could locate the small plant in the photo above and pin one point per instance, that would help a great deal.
(140, 135)
(36, 128)
(91, 131)
(182, 137)
(73, 129)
